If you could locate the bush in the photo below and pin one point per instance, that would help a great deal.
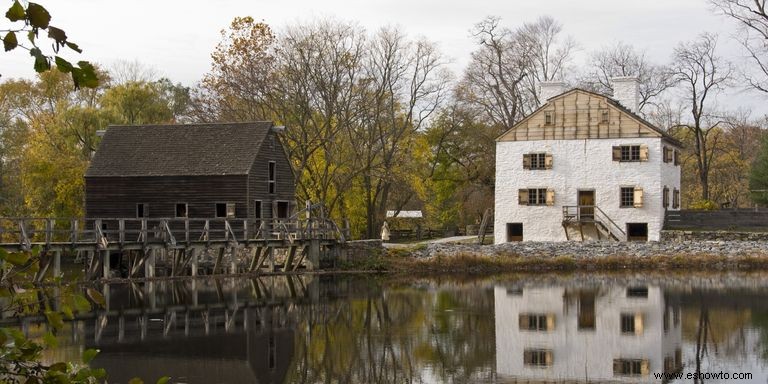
(703, 205)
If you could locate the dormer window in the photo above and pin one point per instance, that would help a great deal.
(548, 120)
(604, 116)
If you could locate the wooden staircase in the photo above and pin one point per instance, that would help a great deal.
(590, 219)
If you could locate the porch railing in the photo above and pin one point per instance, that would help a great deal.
(592, 214)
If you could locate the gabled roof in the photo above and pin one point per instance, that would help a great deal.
(179, 150)
(613, 102)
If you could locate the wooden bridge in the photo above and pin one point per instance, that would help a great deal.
(149, 247)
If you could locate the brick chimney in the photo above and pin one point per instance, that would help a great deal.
(626, 90)
(550, 89)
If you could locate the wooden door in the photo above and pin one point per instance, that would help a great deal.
(586, 205)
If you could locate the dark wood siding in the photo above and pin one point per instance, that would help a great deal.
(258, 179)
(116, 197)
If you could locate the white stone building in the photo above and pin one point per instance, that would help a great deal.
(586, 334)
(585, 166)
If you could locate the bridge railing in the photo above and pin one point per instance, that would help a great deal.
(28, 231)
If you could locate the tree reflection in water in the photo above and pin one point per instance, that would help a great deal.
(402, 334)
(363, 329)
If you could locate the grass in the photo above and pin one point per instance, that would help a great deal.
(400, 262)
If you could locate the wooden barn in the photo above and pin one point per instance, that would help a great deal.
(217, 170)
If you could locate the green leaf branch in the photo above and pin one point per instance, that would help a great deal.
(33, 19)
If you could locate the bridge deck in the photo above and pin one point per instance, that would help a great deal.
(179, 243)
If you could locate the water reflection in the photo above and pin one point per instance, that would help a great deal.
(586, 333)
(352, 329)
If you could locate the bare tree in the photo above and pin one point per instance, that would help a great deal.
(753, 19)
(701, 74)
(501, 81)
(405, 82)
(125, 71)
(549, 54)
(622, 59)
(315, 95)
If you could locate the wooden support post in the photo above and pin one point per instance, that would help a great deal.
(301, 258)
(143, 320)
(121, 232)
(193, 261)
(219, 257)
(289, 259)
(253, 253)
(313, 255)
(149, 263)
(57, 263)
(93, 265)
(105, 264)
(233, 259)
(194, 292)
(105, 291)
(271, 259)
(121, 328)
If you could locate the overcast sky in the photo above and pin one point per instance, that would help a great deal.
(176, 37)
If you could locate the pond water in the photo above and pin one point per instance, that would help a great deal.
(377, 329)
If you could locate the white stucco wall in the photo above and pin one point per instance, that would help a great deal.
(582, 355)
(579, 164)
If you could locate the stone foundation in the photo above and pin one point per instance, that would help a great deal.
(597, 249)
(682, 236)
(360, 249)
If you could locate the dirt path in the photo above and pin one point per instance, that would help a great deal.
(452, 239)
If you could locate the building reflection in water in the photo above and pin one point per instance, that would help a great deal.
(236, 331)
(586, 333)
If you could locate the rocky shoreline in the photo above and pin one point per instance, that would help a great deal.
(567, 256)
(596, 249)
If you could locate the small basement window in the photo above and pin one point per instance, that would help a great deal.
(142, 210)
(637, 292)
(181, 210)
(637, 231)
(514, 232)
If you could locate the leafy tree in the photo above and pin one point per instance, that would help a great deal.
(27, 22)
(758, 178)
(48, 135)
